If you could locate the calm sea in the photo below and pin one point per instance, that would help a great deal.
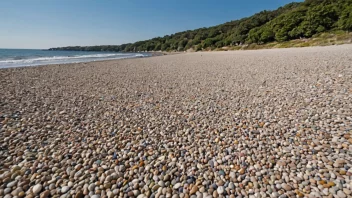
(32, 57)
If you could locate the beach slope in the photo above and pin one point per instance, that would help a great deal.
(266, 122)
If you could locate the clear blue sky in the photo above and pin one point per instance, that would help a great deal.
(54, 23)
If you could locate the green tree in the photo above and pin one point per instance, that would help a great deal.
(157, 47)
(281, 35)
(207, 43)
(267, 35)
(345, 21)
(254, 35)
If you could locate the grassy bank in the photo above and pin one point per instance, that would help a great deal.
(322, 39)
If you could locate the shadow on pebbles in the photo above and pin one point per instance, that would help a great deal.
(266, 123)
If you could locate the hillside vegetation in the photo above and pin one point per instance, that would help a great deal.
(293, 21)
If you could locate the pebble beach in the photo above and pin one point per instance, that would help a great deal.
(265, 123)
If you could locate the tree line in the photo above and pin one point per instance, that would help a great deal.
(292, 21)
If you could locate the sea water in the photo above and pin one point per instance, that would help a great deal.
(31, 57)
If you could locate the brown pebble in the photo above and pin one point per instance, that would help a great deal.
(45, 194)
(193, 190)
(79, 194)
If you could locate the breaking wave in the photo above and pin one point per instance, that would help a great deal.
(19, 61)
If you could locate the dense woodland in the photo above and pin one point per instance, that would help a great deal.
(292, 21)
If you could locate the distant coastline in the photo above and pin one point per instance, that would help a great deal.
(298, 24)
(322, 39)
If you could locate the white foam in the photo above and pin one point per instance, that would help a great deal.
(65, 59)
(140, 55)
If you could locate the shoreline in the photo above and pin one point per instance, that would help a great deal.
(158, 54)
(83, 61)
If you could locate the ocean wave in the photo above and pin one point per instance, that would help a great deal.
(68, 59)
(141, 55)
(100, 55)
(18, 57)
(23, 61)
